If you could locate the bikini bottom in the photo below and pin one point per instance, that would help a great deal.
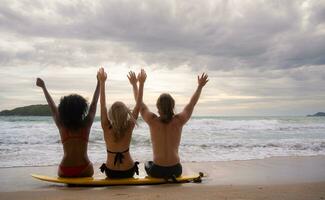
(157, 171)
(73, 171)
(110, 173)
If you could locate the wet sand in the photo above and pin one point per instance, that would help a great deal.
(272, 178)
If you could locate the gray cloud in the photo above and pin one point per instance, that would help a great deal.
(215, 34)
(269, 49)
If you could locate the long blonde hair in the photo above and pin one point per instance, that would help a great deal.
(121, 117)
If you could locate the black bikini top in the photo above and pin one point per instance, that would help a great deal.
(118, 156)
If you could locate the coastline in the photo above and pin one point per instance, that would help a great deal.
(270, 178)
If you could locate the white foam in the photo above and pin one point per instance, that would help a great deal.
(34, 141)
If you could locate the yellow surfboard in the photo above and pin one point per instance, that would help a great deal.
(90, 181)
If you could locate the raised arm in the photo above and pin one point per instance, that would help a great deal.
(102, 76)
(54, 110)
(145, 113)
(142, 78)
(93, 105)
(133, 81)
(185, 115)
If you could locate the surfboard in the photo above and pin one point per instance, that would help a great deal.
(91, 181)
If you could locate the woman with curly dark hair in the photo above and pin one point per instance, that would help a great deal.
(74, 120)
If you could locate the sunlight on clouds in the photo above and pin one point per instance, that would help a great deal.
(262, 57)
(177, 80)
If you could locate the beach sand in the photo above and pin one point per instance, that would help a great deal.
(272, 178)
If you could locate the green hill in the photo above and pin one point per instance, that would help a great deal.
(32, 110)
(319, 114)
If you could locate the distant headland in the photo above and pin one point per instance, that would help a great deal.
(32, 110)
(319, 114)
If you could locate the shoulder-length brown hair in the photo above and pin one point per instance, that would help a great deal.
(165, 105)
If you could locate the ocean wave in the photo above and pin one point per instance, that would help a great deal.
(28, 141)
(252, 124)
(314, 146)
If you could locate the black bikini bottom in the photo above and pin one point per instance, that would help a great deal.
(157, 171)
(118, 173)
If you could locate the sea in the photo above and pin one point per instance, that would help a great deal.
(35, 141)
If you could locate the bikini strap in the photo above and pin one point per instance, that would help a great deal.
(103, 168)
(136, 168)
(108, 151)
(118, 156)
(83, 135)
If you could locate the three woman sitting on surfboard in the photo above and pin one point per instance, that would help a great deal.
(74, 121)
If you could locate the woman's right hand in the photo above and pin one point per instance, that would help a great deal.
(142, 76)
(101, 75)
(202, 80)
(132, 78)
(40, 83)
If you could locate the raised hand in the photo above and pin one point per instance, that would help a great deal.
(142, 76)
(101, 75)
(40, 83)
(202, 80)
(132, 78)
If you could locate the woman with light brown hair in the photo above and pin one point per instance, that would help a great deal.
(166, 132)
(118, 124)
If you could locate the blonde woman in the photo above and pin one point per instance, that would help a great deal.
(118, 124)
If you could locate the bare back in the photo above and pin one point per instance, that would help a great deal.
(119, 146)
(165, 138)
(75, 146)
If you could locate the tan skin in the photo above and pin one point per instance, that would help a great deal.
(166, 137)
(75, 149)
(124, 143)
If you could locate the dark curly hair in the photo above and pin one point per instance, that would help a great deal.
(73, 110)
(165, 105)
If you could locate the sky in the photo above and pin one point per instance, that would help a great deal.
(263, 58)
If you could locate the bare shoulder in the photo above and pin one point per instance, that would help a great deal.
(152, 119)
(131, 124)
(107, 127)
(89, 121)
(107, 133)
(179, 119)
(59, 123)
(154, 116)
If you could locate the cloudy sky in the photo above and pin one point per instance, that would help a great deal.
(262, 57)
